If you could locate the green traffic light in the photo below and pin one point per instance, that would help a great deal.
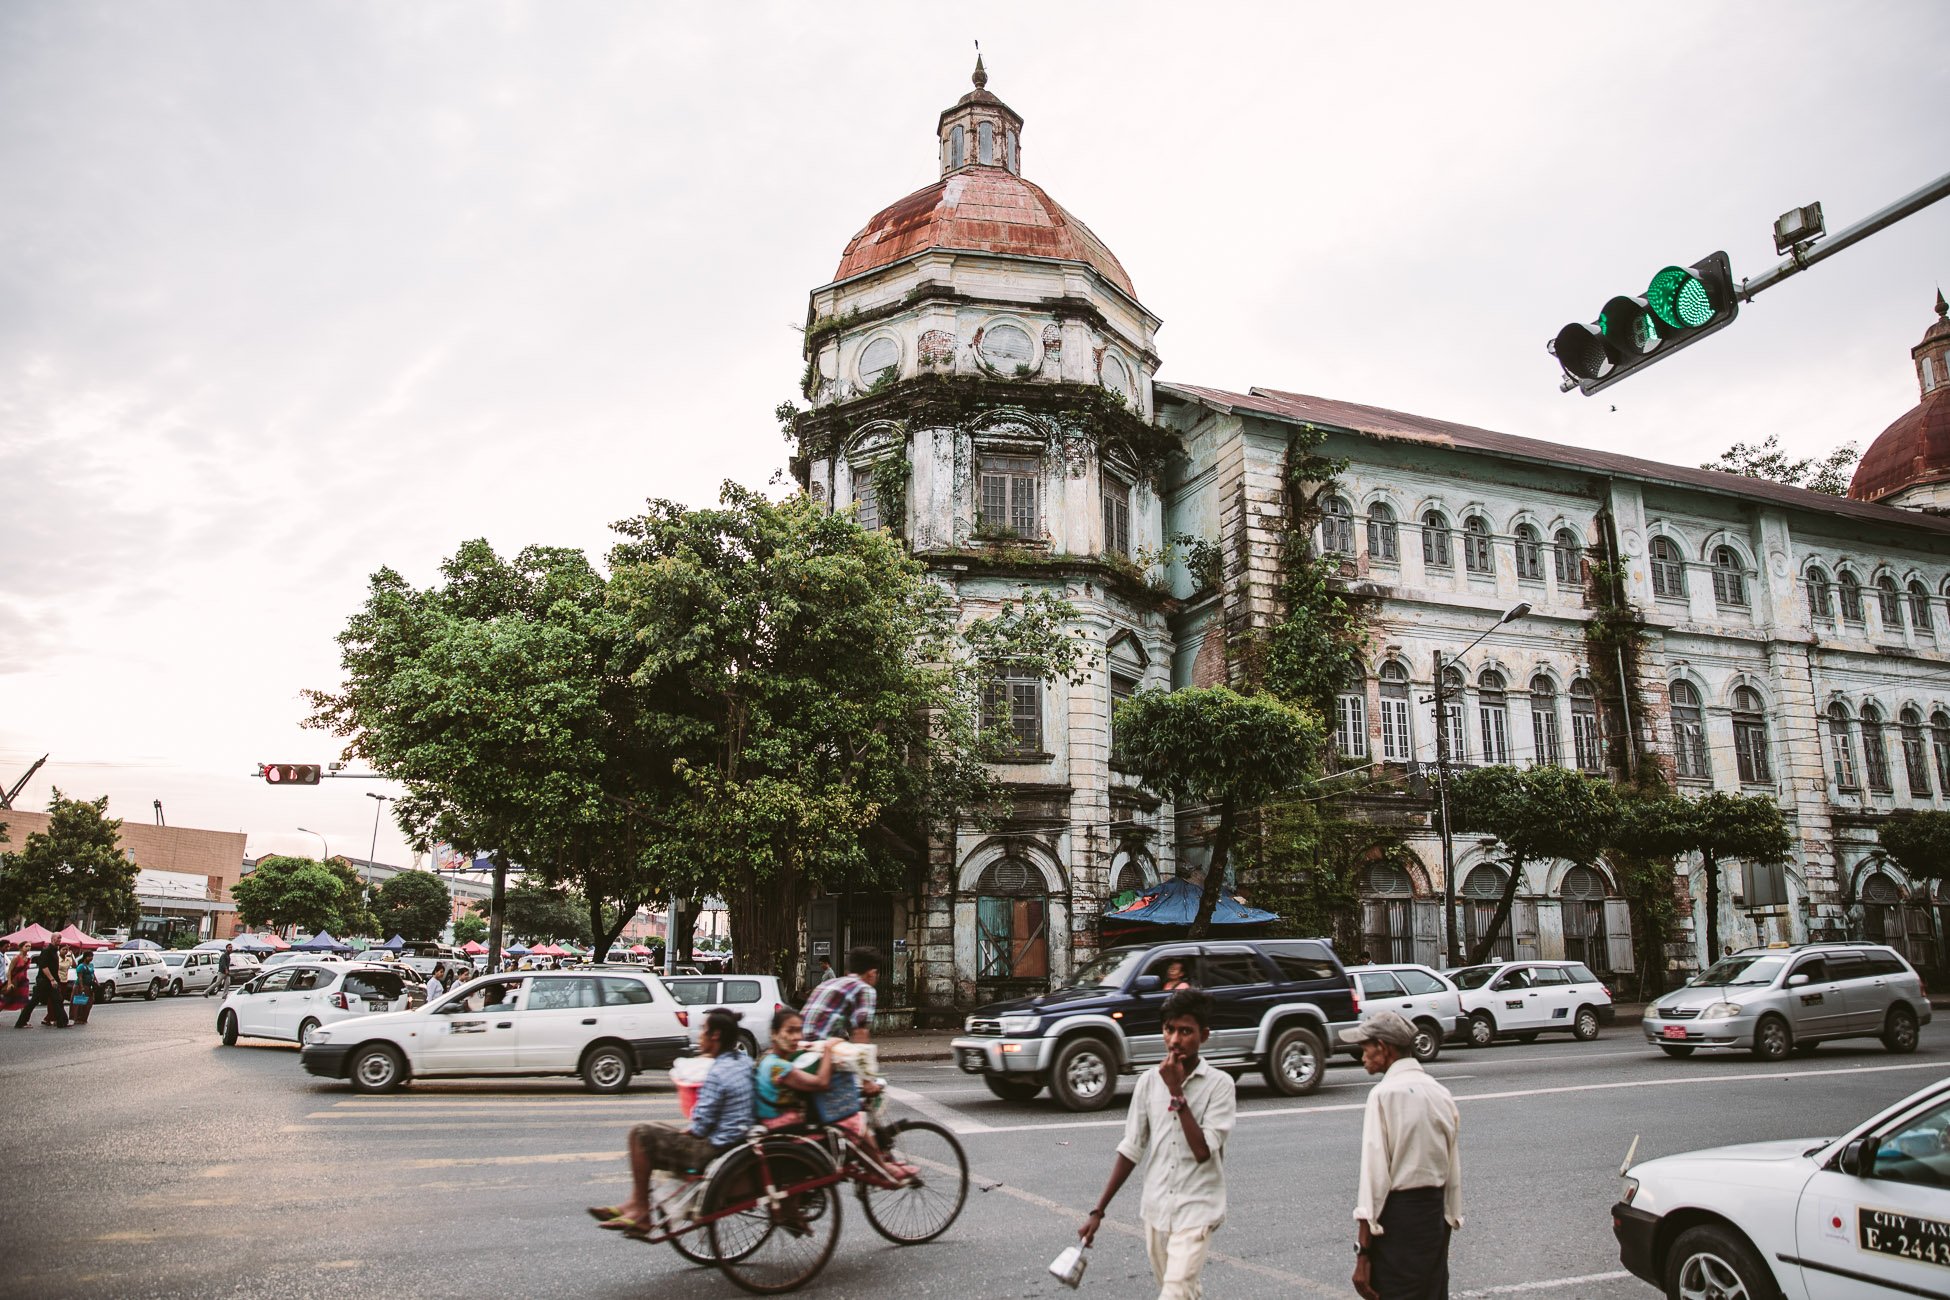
(1680, 299)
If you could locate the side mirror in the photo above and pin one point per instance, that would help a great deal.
(1796, 981)
(1858, 1158)
(1146, 984)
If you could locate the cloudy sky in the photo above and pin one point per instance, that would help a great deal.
(291, 291)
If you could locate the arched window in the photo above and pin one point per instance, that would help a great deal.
(1481, 889)
(1493, 710)
(1841, 745)
(1351, 720)
(1889, 600)
(1750, 737)
(1014, 163)
(1729, 578)
(1919, 609)
(1435, 540)
(1567, 554)
(1336, 526)
(1130, 879)
(1688, 734)
(1875, 755)
(1386, 880)
(985, 143)
(1668, 569)
(956, 140)
(1821, 594)
(1530, 553)
(1851, 592)
(1583, 910)
(1387, 912)
(1916, 759)
(1479, 554)
(1543, 720)
(1012, 922)
(1384, 543)
(1940, 747)
(1879, 889)
(1396, 744)
(1587, 742)
(1453, 714)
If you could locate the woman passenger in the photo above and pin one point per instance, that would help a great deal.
(781, 1083)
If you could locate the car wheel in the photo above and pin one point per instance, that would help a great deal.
(107, 993)
(1712, 1260)
(1296, 1063)
(1772, 1039)
(150, 994)
(748, 1045)
(1676, 1049)
(1585, 1027)
(1482, 1030)
(1899, 1030)
(377, 1069)
(227, 1027)
(606, 1069)
(176, 988)
(1428, 1041)
(1012, 1089)
(1084, 1076)
(305, 1032)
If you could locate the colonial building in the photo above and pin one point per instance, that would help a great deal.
(982, 377)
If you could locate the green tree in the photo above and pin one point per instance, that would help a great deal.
(75, 870)
(1537, 814)
(1829, 474)
(1720, 827)
(303, 892)
(1918, 842)
(1216, 747)
(817, 703)
(470, 928)
(413, 905)
(541, 913)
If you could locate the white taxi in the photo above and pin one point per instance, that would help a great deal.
(1865, 1215)
(603, 1025)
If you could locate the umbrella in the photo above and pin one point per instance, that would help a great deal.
(251, 943)
(29, 934)
(473, 947)
(137, 943)
(74, 938)
(1175, 902)
(322, 942)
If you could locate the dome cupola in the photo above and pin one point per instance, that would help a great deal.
(1909, 464)
(980, 131)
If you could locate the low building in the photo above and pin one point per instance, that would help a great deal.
(189, 872)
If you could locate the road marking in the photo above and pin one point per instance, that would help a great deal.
(516, 1099)
(460, 1126)
(1517, 1288)
(948, 1116)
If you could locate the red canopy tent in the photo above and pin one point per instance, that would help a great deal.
(74, 938)
(638, 950)
(473, 947)
(549, 950)
(34, 935)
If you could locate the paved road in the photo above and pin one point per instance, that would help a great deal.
(167, 1165)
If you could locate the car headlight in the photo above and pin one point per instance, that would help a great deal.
(1721, 1011)
(1631, 1191)
(1021, 1024)
(321, 1035)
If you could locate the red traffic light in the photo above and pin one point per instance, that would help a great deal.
(289, 773)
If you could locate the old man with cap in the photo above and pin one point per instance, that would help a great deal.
(1410, 1196)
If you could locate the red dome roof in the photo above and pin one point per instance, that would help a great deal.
(1915, 449)
(982, 210)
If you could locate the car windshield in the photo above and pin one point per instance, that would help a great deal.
(1742, 970)
(175, 958)
(1107, 971)
(1473, 977)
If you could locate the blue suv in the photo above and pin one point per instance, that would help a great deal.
(1278, 1002)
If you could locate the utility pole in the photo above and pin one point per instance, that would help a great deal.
(1442, 812)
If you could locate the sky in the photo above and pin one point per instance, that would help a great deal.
(292, 292)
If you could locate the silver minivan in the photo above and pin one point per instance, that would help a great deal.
(1773, 1001)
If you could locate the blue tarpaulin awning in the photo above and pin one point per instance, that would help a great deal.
(395, 943)
(1175, 902)
(321, 942)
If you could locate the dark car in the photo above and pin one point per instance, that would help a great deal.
(1278, 1004)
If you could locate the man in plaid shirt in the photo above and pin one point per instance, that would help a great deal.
(843, 1007)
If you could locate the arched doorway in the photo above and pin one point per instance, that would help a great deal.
(1888, 918)
(1481, 890)
(1387, 921)
(1011, 929)
(1581, 897)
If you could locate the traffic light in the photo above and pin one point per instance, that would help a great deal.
(1682, 305)
(289, 773)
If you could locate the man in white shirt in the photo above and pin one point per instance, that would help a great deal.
(1410, 1196)
(1180, 1115)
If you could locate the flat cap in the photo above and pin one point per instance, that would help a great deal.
(1382, 1027)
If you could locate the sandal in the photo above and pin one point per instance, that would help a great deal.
(604, 1213)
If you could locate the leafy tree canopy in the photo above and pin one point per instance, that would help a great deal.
(1719, 826)
(1919, 843)
(540, 913)
(470, 928)
(1538, 814)
(413, 904)
(303, 892)
(1829, 473)
(75, 870)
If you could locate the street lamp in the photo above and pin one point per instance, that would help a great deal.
(377, 808)
(1511, 615)
(325, 848)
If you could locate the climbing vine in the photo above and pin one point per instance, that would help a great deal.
(1320, 639)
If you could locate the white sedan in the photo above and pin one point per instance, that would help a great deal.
(294, 1000)
(1859, 1217)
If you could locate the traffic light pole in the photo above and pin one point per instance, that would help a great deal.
(1806, 255)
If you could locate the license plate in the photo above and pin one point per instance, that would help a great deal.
(1887, 1233)
(1673, 1031)
(971, 1059)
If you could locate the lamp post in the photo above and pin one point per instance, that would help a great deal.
(326, 849)
(377, 808)
(1511, 615)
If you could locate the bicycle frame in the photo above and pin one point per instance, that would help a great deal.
(663, 1225)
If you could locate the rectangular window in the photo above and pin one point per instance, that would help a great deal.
(1012, 710)
(1530, 559)
(1843, 755)
(1122, 688)
(1394, 730)
(1435, 544)
(1458, 738)
(1729, 587)
(1543, 730)
(1940, 745)
(1750, 752)
(866, 499)
(1586, 743)
(1689, 750)
(1351, 725)
(1916, 764)
(1496, 732)
(1117, 517)
(1477, 556)
(1875, 759)
(1009, 490)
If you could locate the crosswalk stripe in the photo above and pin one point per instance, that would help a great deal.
(456, 1127)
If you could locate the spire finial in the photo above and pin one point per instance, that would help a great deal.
(981, 77)
(1942, 307)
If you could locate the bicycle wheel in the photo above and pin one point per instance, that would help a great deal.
(923, 1207)
(773, 1232)
(676, 1200)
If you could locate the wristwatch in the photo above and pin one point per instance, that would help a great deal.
(1175, 1105)
(1359, 1249)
